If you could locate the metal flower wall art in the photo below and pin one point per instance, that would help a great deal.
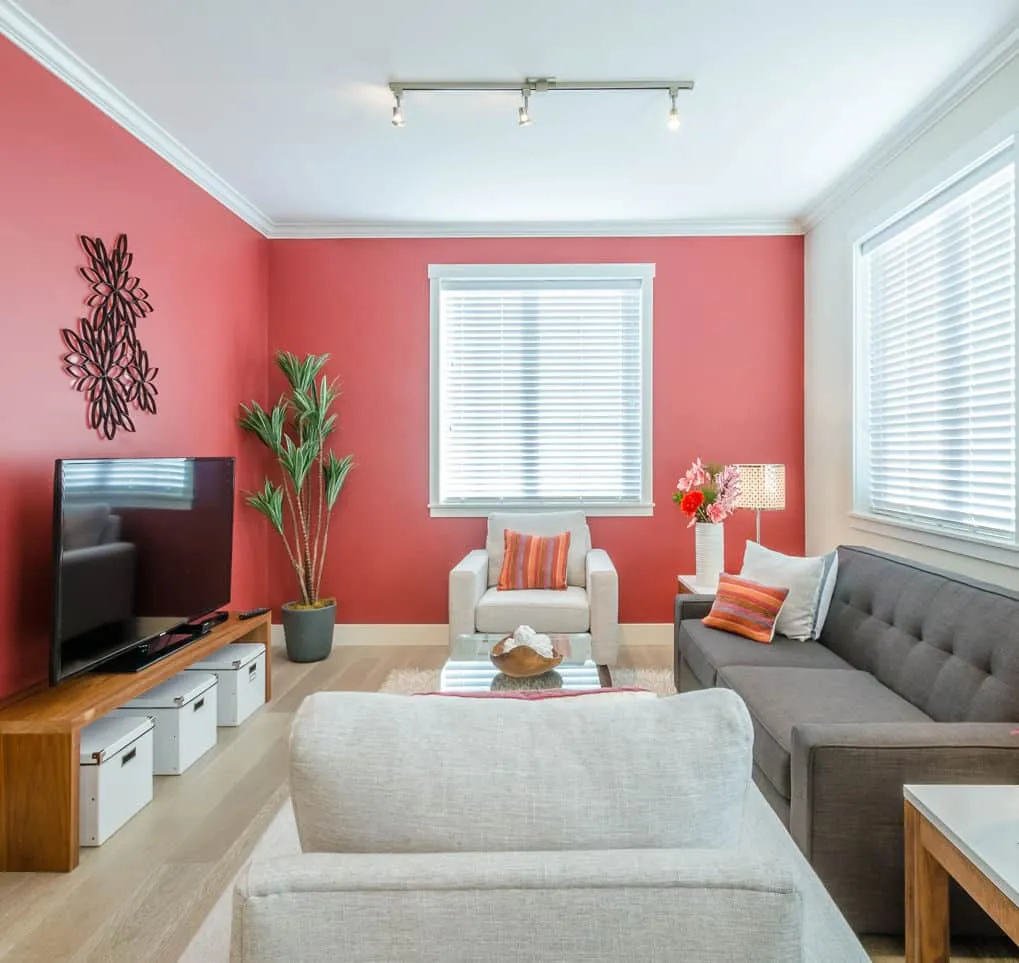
(105, 357)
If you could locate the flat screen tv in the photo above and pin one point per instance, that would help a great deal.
(141, 546)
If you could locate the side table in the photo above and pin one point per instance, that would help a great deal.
(688, 585)
(968, 833)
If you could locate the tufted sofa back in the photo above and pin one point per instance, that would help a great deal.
(947, 644)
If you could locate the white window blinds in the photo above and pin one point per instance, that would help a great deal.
(937, 303)
(541, 387)
(130, 482)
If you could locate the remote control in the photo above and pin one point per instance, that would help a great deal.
(251, 613)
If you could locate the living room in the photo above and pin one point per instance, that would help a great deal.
(311, 178)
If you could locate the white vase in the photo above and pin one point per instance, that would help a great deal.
(710, 552)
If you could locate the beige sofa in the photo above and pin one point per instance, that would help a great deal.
(590, 602)
(596, 828)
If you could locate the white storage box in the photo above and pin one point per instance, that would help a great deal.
(240, 669)
(115, 775)
(184, 711)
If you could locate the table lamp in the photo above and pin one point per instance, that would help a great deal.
(762, 487)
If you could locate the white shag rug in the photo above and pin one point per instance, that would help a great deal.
(659, 681)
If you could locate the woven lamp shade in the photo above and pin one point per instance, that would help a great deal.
(762, 487)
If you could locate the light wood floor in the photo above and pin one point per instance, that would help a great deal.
(142, 896)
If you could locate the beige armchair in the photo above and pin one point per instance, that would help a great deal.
(590, 602)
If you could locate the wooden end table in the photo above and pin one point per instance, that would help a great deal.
(968, 833)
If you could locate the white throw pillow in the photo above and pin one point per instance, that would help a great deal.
(803, 578)
(831, 571)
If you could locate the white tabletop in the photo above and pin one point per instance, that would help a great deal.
(690, 581)
(982, 822)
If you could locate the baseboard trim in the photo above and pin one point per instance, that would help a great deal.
(378, 633)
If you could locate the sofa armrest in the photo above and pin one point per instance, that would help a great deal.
(693, 905)
(692, 607)
(602, 582)
(846, 800)
(467, 583)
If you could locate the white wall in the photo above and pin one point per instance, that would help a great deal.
(829, 322)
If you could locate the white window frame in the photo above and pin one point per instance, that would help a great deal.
(630, 272)
(999, 140)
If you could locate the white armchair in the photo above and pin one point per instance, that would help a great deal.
(590, 602)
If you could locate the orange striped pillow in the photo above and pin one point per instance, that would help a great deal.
(746, 608)
(534, 561)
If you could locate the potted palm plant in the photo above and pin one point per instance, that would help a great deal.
(296, 431)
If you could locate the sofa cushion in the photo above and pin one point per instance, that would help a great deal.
(544, 610)
(708, 650)
(374, 773)
(779, 699)
(540, 523)
(948, 644)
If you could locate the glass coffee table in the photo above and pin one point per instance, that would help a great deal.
(469, 667)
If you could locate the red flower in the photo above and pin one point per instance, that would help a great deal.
(692, 501)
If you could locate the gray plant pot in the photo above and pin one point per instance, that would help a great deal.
(309, 632)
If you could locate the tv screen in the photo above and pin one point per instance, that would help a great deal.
(141, 545)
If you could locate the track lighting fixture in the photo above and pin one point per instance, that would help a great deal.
(523, 114)
(540, 85)
(673, 121)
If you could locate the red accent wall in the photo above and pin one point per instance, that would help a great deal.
(67, 169)
(728, 386)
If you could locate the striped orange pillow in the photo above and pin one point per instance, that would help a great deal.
(746, 608)
(534, 561)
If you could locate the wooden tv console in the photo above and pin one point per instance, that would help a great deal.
(39, 748)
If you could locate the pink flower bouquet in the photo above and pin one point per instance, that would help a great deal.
(708, 493)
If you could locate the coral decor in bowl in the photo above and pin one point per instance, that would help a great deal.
(521, 661)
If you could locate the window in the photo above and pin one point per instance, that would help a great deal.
(131, 482)
(936, 361)
(541, 388)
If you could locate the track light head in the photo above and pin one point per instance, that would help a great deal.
(523, 113)
(673, 121)
(397, 112)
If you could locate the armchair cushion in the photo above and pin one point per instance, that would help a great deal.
(706, 650)
(540, 523)
(544, 610)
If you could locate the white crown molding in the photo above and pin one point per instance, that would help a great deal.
(32, 37)
(411, 229)
(28, 34)
(995, 55)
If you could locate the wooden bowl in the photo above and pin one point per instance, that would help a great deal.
(522, 662)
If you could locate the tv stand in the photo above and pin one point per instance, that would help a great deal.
(39, 748)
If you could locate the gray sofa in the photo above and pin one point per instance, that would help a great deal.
(915, 678)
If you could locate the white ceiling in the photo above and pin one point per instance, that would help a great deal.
(286, 100)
